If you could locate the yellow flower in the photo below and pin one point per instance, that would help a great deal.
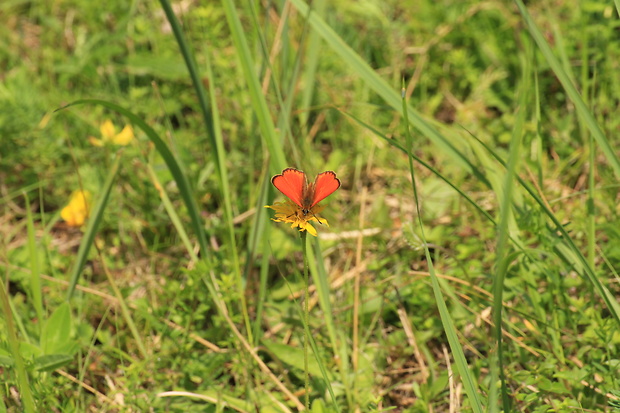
(109, 135)
(292, 213)
(78, 208)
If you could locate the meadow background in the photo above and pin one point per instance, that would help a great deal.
(489, 285)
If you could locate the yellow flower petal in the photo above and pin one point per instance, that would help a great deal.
(94, 141)
(308, 227)
(292, 213)
(124, 137)
(78, 208)
(107, 130)
(72, 217)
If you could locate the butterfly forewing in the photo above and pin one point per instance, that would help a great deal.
(291, 183)
(325, 184)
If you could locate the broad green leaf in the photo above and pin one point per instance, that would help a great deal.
(56, 333)
(293, 356)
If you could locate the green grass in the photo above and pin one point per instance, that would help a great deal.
(470, 263)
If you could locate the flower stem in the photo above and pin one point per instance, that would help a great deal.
(307, 319)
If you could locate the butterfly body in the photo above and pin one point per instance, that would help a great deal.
(294, 184)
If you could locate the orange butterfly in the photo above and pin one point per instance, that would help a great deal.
(294, 184)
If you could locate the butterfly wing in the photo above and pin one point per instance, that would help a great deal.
(324, 185)
(291, 182)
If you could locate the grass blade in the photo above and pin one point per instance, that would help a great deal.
(327, 378)
(569, 251)
(421, 161)
(174, 217)
(35, 275)
(571, 90)
(382, 88)
(259, 103)
(469, 381)
(503, 233)
(212, 124)
(91, 229)
(321, 282)
(310, 66)
(20, 367)
(171, 162)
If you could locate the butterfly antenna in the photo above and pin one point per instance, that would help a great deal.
(317, 218)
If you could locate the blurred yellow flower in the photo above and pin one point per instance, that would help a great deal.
(293, 214)
(109, 135)
(78, 208)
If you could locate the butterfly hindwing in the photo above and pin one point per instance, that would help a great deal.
(291, 183)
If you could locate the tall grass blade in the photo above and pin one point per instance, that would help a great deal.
(571, 90)
(96, 216)
(259, 103)
(171, 162)
(124, 309)
(467, 377)
(567, 248)
(421, 161)
(172, 213)
(382, 88)
(327, 378)
(259, 234)
(196, 82)
(219, 141)
(503, 233)
(321, 282)
(20, 366)
(211, 119)
(311, 63)
(35, 268)
(262, 289)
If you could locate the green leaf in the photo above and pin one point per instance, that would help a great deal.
(169, 68)
(6, 361)
(293, 356)
(56, 333)
(51, 362)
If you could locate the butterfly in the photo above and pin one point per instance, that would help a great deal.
(294, 184)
